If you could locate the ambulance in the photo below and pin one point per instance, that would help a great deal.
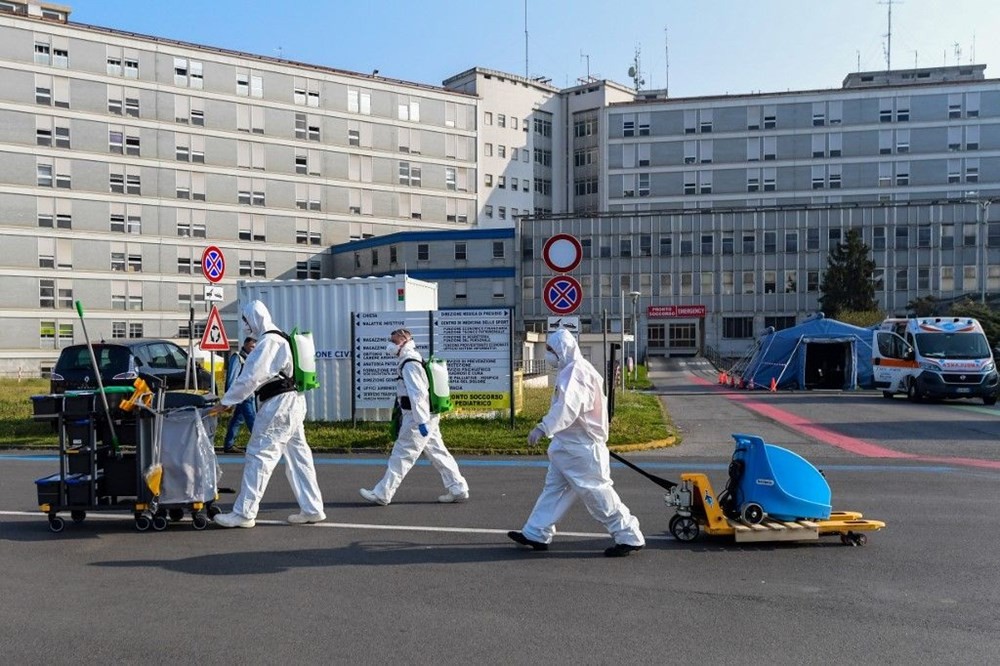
(934, 358)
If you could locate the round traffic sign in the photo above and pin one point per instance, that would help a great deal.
(562, 294)
(213, 264)
(562, 253)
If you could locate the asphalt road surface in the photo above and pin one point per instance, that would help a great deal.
(418, 582)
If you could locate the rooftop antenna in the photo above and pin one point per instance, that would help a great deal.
(858, 51)
(666, 54)
(635, 71)
(587, 56)
(281, 52)
(958, 53)
(888, 34)
(972, 56)
(525, 38)
(915, 59)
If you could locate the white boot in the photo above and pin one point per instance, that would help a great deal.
(306, 518)
(233, 520)
(449, 498)
(372, 497)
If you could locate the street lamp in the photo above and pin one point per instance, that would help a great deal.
(635, 339)
(634, 295)
(982, 224)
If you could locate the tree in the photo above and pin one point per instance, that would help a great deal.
(923, 306)
(990, 319)
(847, 283)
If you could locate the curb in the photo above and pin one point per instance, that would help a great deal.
(645, 446)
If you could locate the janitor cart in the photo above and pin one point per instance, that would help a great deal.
(105, 456)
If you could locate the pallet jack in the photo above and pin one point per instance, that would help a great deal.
(772, 495)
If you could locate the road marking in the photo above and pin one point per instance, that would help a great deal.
(851, 444)
(361, 526)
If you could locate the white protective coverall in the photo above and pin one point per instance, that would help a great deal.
(278, 429)
(412, 383)
(577, 424)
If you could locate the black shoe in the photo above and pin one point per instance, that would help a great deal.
(525, 541)
(620, 550)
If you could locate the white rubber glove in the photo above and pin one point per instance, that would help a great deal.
(535, 436)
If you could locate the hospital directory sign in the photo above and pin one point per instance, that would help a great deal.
(477, 346)
(476, 343)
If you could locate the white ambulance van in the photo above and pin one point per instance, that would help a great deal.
(936, 358)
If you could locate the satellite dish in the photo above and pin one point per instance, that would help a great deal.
(631, 72)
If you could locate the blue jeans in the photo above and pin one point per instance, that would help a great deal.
(246, 411)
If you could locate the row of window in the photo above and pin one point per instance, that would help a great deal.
(250, 192)
(752, 282)
(903, 238)
(897, 109)
(189, 73)
(251, 228)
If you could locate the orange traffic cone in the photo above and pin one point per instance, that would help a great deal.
(774, 384)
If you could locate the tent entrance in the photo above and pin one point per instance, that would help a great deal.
(827, 364)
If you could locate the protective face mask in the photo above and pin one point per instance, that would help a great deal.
(551, 359)
(392, 348)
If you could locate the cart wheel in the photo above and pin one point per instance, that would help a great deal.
(199, 520)
(860, 539)
(176, 515)
(142, 523)
(56, 524)
(684, 528)
(752, 513)
(213, 511)
(78, 516)
(673, 521)
(159, 523)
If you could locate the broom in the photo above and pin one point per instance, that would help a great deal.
(154, 475)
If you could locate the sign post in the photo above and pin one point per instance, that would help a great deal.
(214, 339)
(213, 267)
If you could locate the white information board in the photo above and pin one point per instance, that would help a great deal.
(475, 343)
(375, 370)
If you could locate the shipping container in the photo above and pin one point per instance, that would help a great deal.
(325, 307)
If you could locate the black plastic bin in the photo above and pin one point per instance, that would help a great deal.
(46, 407)
(48, 490)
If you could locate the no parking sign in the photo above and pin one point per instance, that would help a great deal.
(562, 294)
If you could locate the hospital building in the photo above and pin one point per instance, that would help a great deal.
(700, 221)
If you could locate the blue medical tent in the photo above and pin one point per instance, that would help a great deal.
(819, 353)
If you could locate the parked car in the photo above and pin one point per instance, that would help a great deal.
(121, 362)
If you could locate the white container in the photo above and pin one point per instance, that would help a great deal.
(325, 308)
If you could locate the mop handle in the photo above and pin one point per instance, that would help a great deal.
(97, 372)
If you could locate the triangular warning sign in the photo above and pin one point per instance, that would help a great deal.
(214, 338)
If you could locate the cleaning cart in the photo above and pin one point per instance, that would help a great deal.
(108, 446)
(772, 494)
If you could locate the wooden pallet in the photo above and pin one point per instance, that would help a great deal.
(775, 530)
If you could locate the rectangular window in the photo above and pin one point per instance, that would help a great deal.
(666, 246)
(423, 252)
(737, 328)
(707, 244)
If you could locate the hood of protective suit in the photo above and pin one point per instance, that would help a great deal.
(564, 345)
(256, 320)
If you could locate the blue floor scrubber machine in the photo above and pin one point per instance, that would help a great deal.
(769, 481)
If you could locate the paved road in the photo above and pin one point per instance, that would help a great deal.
(417, 582)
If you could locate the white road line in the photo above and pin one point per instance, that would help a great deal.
(358, 526)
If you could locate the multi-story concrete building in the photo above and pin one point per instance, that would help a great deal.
(473, 267)
(124, 156)
(730, 205)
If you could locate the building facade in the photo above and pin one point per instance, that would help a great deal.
(472, 267)
(123, 157)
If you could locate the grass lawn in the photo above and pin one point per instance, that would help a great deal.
(639, 419)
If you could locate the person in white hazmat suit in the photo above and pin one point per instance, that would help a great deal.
(419, 430)
(577, 424)
(278, 430)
